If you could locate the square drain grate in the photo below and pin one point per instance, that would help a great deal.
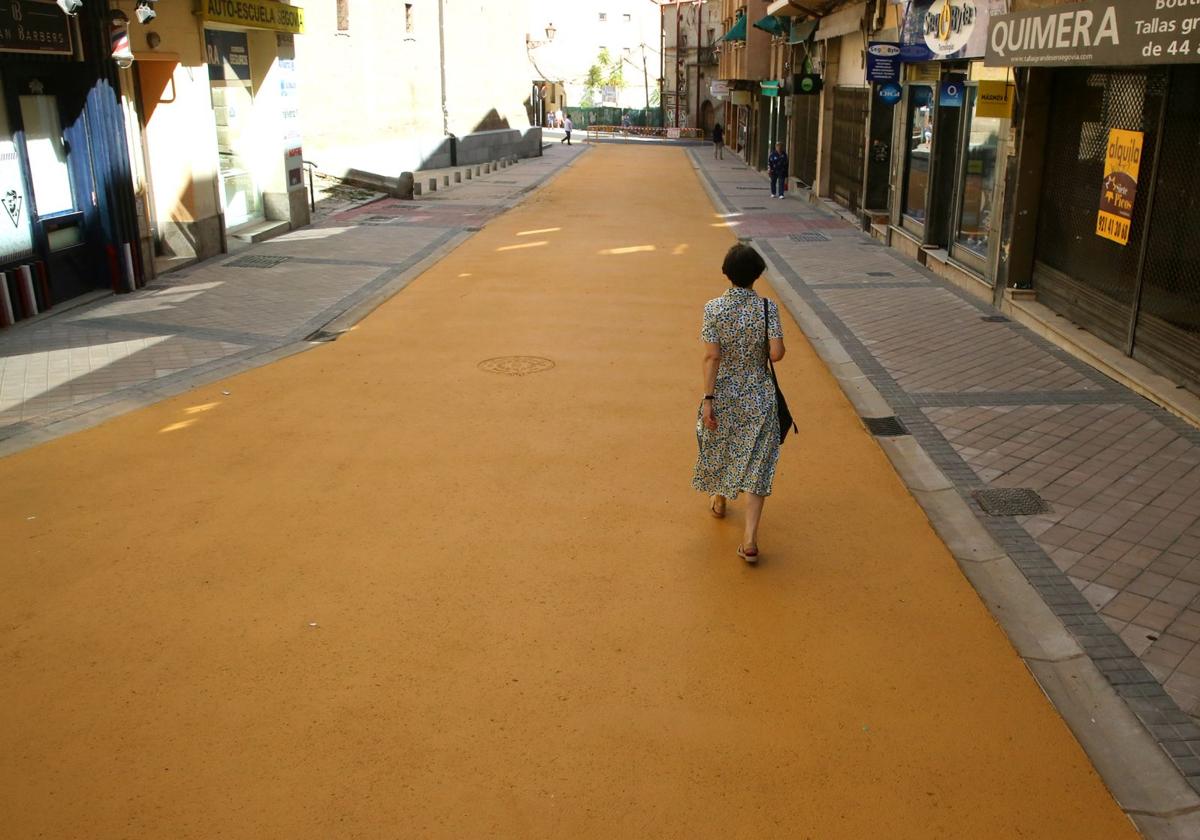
(1010, 501)
(809, 236)
(994, 319)
(256, 261)
(885, 426)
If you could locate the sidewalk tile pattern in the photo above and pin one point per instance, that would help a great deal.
(995, 405)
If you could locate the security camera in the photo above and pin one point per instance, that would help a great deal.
(70, 7)
(145, 11)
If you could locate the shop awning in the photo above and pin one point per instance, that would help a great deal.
(737, 32)
(842, 22)
(802, 30)
(771, 24)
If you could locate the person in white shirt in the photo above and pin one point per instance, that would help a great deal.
(567, 125)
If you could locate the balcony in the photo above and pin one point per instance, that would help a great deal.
(706, 56)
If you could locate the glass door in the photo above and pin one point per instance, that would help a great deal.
(53, 140)
(973, 226)
(918, 156)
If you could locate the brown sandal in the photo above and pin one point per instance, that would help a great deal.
(749, 556)
(717, 508)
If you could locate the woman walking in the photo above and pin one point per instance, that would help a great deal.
(738, 428)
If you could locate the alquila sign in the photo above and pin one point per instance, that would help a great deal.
(1098, 33)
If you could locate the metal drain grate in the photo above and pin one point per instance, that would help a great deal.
(1011, 501)
(994, 319)
(256, 261)
(323, 335)
(880, 274)
(885, 426)
(764, 189)
(809, 236)
(760, 207)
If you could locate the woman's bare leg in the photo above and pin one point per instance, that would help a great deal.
(754, 506)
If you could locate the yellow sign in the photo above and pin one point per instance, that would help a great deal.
(995, 99)
(255, 14)
(1122, 157)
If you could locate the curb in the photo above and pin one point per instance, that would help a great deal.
(108, 406)
(1141, 777)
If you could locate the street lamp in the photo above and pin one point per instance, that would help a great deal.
(532, 44)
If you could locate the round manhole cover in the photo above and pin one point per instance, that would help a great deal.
(516, 365)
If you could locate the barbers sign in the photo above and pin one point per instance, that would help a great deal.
(1097, 33)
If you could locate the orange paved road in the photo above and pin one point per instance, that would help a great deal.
(528, 624)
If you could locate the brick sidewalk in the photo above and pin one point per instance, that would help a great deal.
(996, 406)
(237, 308)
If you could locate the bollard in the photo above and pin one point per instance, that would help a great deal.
(487, 168)
(433, 184)
(416, 189)
(445, 180)
(458, 177)
(477, 169)
(468, 173)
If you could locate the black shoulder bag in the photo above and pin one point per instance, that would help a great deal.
(786, 423)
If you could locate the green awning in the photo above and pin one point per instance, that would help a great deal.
(737, 32)
(771, 24)
(802, 30)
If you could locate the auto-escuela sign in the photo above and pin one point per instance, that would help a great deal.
(1098, 33)
(255, 14)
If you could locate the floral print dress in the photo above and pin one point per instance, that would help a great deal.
(741, 454)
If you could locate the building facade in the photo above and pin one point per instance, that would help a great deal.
(627, 31)
(69, 216)
(1036, 153)
(689, 64)
(211, 104)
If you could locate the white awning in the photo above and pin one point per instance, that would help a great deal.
(842, 22)
(786, 8)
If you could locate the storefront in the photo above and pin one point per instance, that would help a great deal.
(67, 224)
(1113, 204)
(213, 95)
(841, 36)
(951, 135)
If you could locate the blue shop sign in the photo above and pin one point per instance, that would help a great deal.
(940, 30)
(889, 93)
(950, 94)
(883, 61)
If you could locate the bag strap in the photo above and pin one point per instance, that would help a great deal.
(767, 340)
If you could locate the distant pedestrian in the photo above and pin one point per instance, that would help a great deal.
(777, 168)
(626, 123)
(738, 425)
(718, 138)
(567, 126)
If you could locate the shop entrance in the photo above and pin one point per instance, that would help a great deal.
(849, 146)
(806, 116)
(1144, 295)
(233, 108)
(52, 207)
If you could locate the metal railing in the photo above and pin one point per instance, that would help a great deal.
(598, 132)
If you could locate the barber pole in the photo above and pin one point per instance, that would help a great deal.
(120, 43)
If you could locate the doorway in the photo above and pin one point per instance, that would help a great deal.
(46, 119)
(707, 118)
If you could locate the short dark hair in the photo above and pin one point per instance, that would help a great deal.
(743, 265)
